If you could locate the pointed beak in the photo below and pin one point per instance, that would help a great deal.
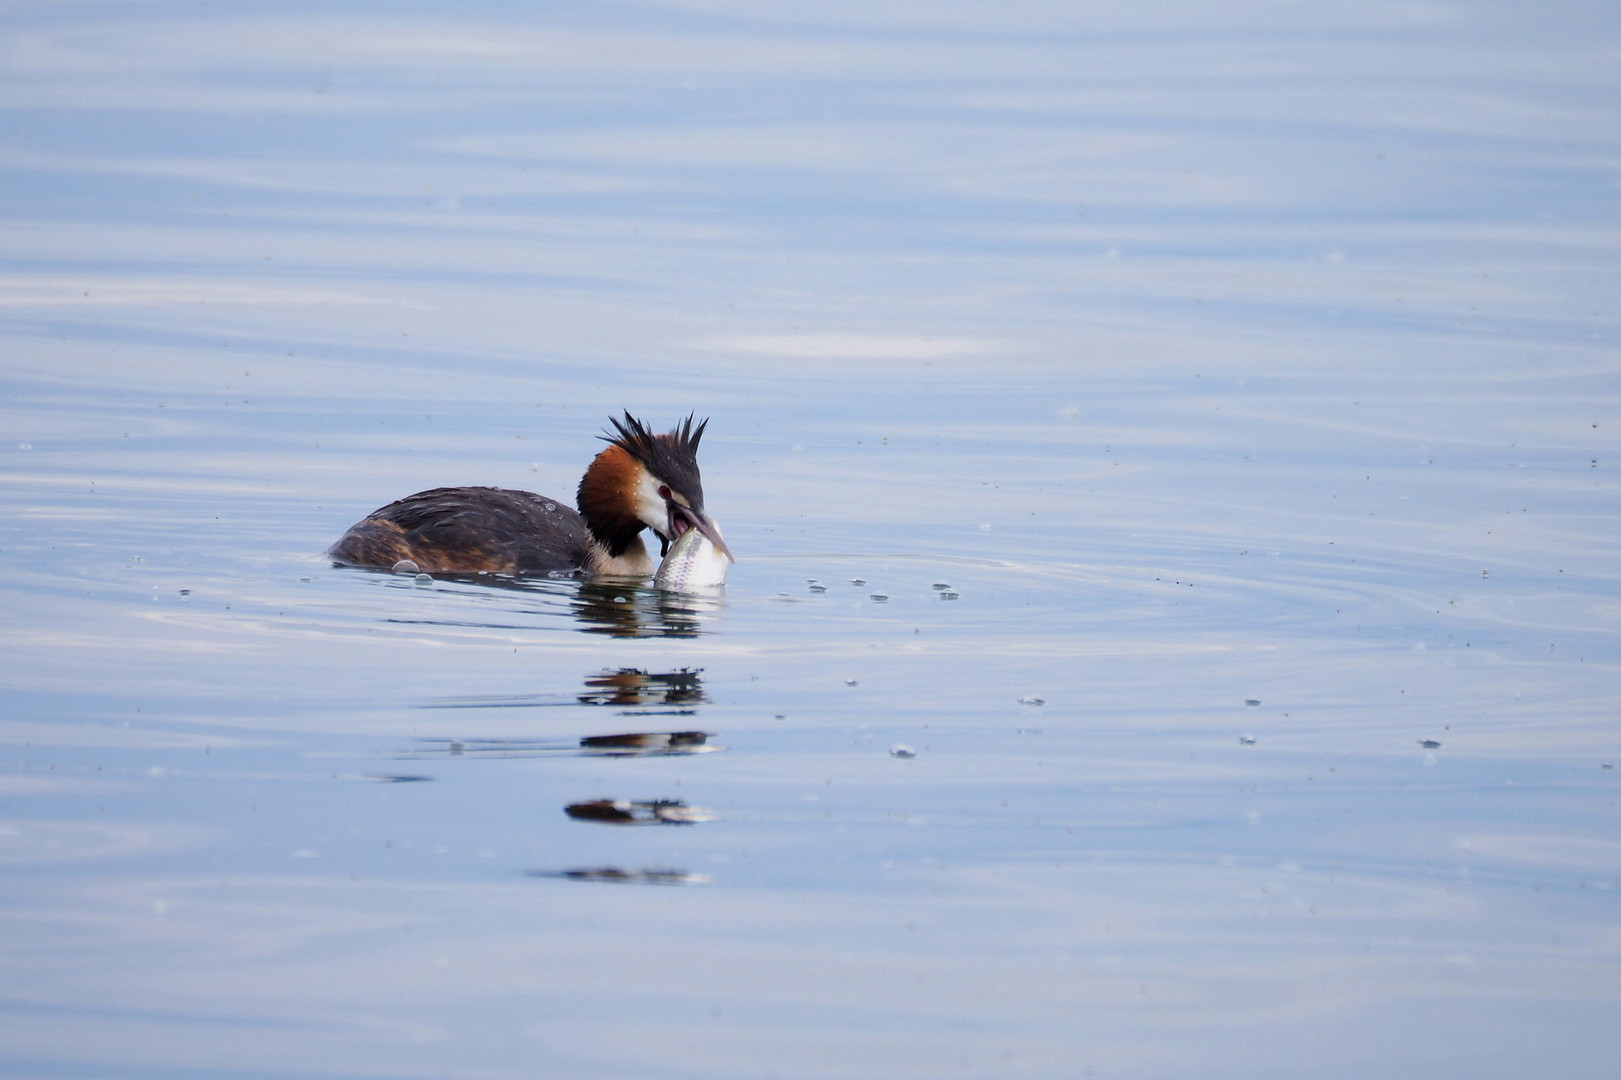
(697, 519)
(708, 528)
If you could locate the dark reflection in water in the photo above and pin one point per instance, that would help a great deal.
(633, 687)
(619, 609)
(636, 611)
(646, 812)
(619, 874)
(645, 744)
(630, 744)
(633, 691)
(666, 692)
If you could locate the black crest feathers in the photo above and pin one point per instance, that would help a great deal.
(672, 457)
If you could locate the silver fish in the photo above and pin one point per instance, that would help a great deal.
(693, 564)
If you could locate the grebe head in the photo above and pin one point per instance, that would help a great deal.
(647, 480)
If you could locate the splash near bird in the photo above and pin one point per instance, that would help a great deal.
(641, 481)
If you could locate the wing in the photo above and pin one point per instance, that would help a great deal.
(468, 529)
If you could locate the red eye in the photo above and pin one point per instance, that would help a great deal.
(664, 492)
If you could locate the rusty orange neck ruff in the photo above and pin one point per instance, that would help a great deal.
(608, 498)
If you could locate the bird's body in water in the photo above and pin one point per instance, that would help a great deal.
(641, 481)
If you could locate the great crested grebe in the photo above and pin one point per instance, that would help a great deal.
(641, 481)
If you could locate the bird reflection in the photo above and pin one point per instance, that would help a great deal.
(603, 607)
(639, 812)
(633, 686)
(619, 608)
(632, 691)
(623, 876)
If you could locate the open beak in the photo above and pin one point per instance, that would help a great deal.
(683, 518)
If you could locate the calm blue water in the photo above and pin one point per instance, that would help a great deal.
(1225, 402)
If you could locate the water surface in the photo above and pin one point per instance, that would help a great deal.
(1170, 455)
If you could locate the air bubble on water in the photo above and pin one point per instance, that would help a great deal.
(551, 506)
(620, 600)
(306, 580)
(1429, 744)
(942, 585)
(818, 588)
(25, 446)
(1028, 700)
(851, 682)
(901, 750)
(405, 566)
(858, 581)
(813, 581)
(879, 598)
(423, 579)
(1246, 740)
(1252, 702)
(948, 595)
(185, 592)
